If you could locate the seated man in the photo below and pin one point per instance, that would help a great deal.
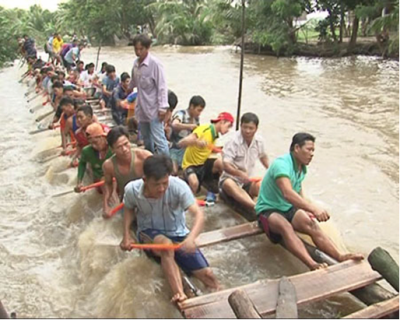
(94, 154)
(109, 83)
(125, 165)
(161, 202)
(199, 145)
(119, 94)
(183, 123)
(239, 158)
(172, 102)
(282, 209)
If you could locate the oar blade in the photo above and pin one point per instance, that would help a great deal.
(62, 194)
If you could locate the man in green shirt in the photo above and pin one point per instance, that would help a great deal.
(282, 209)
(94, 154)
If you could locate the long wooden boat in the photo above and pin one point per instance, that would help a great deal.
(350, 276)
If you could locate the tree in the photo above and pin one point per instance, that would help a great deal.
(184, 22)
(271, 22)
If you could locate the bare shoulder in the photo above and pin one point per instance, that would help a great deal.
(108, 166)
(142, 153)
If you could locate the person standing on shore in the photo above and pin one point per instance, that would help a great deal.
(152, 100)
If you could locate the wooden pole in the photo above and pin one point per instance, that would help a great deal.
(242, 306)
(241, 65)
(383, 262)
(3, 312)
(98, 55)
(286, 307)
(377, 311)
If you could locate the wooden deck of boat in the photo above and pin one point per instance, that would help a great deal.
(228, 234)
(310, 286)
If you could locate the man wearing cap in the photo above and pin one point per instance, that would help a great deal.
(152, 100)
(199, 145)
(94, 154)
(239, 158)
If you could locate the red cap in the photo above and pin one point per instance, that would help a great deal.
(224, 116)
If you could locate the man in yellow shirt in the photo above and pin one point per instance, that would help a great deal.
(57, 45)
(199, 144)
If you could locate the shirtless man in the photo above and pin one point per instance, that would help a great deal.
(282, 209)
(125, 165)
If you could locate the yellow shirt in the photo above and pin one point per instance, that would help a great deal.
(57, 44)
(195, 156)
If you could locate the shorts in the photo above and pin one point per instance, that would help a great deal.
(203, 172)
(245, 186)
(119, 116)
(107, 100)
(188, 262)
(68, 65)
(177, 155)
(263, 221)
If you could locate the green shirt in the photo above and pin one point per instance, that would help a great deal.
(91, 156)
(270, 196)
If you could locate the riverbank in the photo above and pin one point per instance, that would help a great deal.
(364, 46)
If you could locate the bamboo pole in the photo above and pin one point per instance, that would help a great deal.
(241, 65)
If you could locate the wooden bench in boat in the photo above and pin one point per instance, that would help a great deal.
(378, 310)
(310, 286)
(228, 234)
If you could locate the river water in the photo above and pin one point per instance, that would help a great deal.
(58, 258)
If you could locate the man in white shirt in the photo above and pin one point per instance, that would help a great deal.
(239, 158)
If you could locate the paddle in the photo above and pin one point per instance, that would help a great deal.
(24, 76)
(255, 179)
(40, 118)
(43, 129)
(83, 189)
(32, 110)
(67, 153)
(34, 97)
(155, 246)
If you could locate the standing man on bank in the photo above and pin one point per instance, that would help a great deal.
(152, 100)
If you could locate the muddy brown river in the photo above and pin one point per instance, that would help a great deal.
(59, 258)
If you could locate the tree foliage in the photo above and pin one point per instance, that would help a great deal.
(269, 23)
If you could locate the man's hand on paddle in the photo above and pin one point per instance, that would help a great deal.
(78, 188)
(321, 214)
(244, 177)
(189, 245)
(126, 243)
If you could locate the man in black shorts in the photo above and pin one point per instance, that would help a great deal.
(282, 209)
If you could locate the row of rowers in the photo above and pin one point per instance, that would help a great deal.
(159, 201)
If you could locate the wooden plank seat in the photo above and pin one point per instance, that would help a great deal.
(377, 310)
(310, 286)
(228, 234)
